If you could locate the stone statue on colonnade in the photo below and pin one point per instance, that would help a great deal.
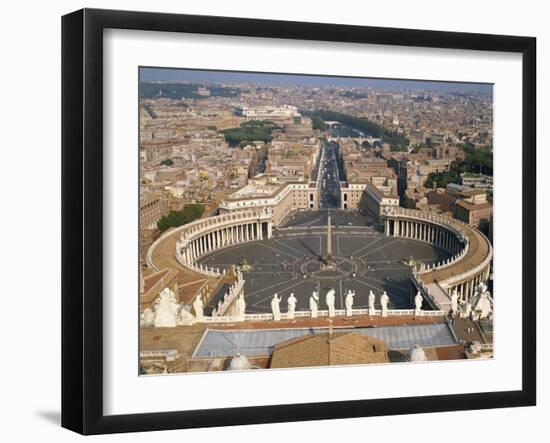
(330, 299)
(166, 309)
(384, 301)
(198, 306)
(313, 306)
(291, 305)
(275, 309)
(349, 302)
(240, 306)
(372, 299)
(454, 302)
(418, 303)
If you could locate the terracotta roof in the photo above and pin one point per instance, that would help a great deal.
(321, 350)
(474, 206)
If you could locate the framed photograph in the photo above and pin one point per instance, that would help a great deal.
(270, 221)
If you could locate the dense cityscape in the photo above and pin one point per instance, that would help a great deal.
(312, 223)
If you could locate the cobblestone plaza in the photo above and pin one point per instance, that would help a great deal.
(292, 261)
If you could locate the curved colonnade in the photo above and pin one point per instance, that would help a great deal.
(204, 236)
(470, 250)
(471, 253)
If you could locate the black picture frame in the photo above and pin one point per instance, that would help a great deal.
(82, 218)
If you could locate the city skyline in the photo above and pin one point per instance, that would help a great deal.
(153, 74)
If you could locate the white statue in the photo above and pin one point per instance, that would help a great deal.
(418, 303)
(166, 309)
(148, 317)
(275, 309)
(466, 309)
(291, 305)
(313, 306)
(454, 302)
(185, 317)
(198, 306)
(240, 306)
(349, 302)
(329, 299)
(482, 305)
(384, 301)
(372, 299)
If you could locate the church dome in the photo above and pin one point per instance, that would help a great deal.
(239, 363)
(416, 353)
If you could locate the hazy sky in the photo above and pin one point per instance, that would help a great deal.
(163, 74)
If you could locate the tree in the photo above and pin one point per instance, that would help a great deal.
(167, 162)
(174, 219)
(318, 123)
(250, 131)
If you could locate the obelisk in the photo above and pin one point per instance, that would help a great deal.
(329, 242)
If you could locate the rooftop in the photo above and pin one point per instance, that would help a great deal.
(252, 342)
(327, 349)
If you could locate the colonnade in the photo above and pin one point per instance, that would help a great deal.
(451, 235)
(206, 235)
(466, 290)
(205, 242)
(424, 231)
